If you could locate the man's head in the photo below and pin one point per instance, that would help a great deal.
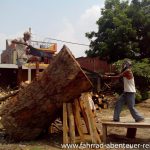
(27, 36)
(126, 64)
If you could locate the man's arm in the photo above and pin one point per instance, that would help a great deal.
(122, 74)
(15, 41)
(116, 76)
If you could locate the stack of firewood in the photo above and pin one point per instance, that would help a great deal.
(100, 101)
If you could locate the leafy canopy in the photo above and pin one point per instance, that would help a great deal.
(123, 31)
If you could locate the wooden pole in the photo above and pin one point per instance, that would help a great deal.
(91, 121)
(65, 124)
(71, 123)
(29, 75)
(84, 115)
(37, 70)
(78, 121)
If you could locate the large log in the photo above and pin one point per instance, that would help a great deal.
(28, 114)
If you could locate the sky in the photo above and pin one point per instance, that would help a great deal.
(66, 20)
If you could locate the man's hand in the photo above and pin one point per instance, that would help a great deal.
(105, 76)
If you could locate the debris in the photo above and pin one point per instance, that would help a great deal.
(4, 96)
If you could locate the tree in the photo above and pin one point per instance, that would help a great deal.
(123, 31)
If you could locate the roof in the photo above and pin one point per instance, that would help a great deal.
(10, 66)
(26, 66)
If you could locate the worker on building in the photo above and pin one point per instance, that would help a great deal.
(128, 95)
(21, 48)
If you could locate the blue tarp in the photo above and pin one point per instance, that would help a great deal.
(40, 53)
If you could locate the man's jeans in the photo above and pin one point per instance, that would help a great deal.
(129, 99)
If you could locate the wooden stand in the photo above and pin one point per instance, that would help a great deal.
(131, 127)
(79, 124)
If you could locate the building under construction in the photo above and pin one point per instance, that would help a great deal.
(9, 69)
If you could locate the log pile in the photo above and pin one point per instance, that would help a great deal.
(26, 115)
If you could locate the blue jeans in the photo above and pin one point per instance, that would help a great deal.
(129, 98)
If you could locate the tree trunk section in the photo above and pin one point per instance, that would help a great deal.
(28, 114)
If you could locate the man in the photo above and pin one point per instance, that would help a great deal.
(21, 45)
(128, 95)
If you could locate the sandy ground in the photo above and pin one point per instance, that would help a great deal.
(115, 134)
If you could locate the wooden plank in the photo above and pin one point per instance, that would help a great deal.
(65, 125)
(81, 103)
(77, 110)
(71, 123)
(92, 124)
(127, 125)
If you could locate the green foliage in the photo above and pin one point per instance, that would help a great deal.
(138, 96)
(145, 95)
(141, 71)
(123, 31)
(140, 68)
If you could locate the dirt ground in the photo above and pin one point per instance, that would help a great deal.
(118, 134)
(115, 134)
